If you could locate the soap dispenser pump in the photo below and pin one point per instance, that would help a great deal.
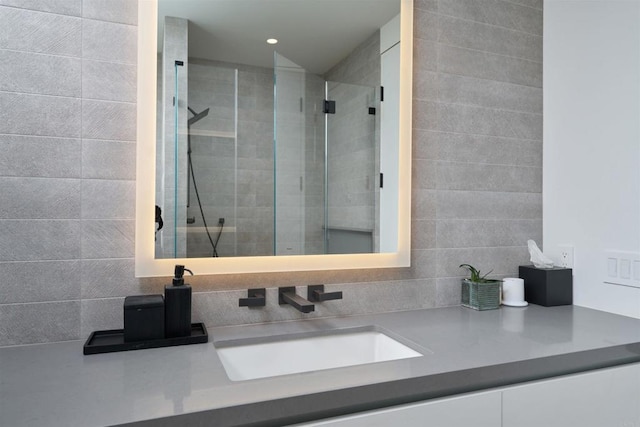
(177, 306)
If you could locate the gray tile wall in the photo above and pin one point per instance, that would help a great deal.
(67, 162)
(66, 261)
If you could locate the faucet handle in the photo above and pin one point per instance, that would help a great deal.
(316, 293)
(255, 298)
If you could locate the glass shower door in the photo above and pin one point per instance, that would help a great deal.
(197, 151)
(212, 161)
(289, 157)
(352, 168)
(326, 163)
(171, 173)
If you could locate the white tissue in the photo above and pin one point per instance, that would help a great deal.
(538, 259)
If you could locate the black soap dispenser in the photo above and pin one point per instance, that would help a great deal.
(177, 306)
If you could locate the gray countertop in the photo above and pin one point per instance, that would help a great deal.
(55, 385)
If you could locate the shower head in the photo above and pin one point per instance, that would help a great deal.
(197, 116)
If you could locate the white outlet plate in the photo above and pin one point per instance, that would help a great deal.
(566, 256)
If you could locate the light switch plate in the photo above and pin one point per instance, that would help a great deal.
(612, 268)
(625, 268)
(621, 268)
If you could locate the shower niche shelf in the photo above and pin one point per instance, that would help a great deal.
(213, 133)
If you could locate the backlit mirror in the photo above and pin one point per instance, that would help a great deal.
(286, 156)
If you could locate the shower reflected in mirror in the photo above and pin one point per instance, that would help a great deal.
(278, 158)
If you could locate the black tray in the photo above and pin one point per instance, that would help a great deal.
(113, 340)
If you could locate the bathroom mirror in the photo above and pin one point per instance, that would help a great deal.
(254, 209)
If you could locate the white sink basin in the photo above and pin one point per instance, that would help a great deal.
(289, 354)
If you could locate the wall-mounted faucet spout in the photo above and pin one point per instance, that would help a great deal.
(287, 295)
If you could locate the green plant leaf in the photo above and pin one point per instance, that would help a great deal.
(474, 274)
(483, 278)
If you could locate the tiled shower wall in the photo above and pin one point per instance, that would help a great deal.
(67, 156)
(245, 198)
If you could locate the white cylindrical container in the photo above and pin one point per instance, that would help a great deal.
(513, 292)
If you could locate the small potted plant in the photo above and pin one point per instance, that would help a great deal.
(478, 292)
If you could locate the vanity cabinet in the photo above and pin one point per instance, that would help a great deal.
(477, 409)
(605, 397)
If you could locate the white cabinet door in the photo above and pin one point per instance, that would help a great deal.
(603, 398)
(478, 410)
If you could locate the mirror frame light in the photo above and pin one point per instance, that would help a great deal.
(146, 265)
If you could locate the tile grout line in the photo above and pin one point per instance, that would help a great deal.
(534, 62)
(464, 76)
(437, 101)
(80, 98)
(488, 24)
(512, 138)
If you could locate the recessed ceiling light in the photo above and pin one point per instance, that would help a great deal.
(272, 41)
